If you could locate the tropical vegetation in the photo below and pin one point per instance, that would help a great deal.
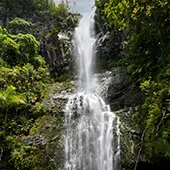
(145, 28)
(25, 78)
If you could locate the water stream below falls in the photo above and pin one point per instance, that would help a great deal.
(92, 137)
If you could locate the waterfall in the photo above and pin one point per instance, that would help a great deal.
(84, 42)
(92, 135)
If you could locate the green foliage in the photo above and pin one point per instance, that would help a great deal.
(24, 78)
(9, 98)
(23, 81)
(146, 45)
(28, 46)
(117, 12)
(52, 135)
(25, 157)
(19, 25)
(61, 10)
(8, 47)
(156, 107)
(19, 49)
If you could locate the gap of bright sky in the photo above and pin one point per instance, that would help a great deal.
(82, 6)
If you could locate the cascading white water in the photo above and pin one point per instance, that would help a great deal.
(89, 139)
(84, 42)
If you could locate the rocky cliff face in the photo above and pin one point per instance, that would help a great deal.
(57, 51)
(116, 87)
(109, 44)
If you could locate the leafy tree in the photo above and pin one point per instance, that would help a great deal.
(9, 99)
(25, 157)
(26, 79)
(19, 25)
(19, 49)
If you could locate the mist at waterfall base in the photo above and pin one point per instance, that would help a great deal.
(92, 135)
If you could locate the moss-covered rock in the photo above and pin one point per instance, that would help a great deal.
(47, 135)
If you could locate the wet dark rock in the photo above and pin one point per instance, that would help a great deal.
(57, 51)
(36, 139)
(117, 89)
(109, 48)
(58, 97)
(46, 134)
